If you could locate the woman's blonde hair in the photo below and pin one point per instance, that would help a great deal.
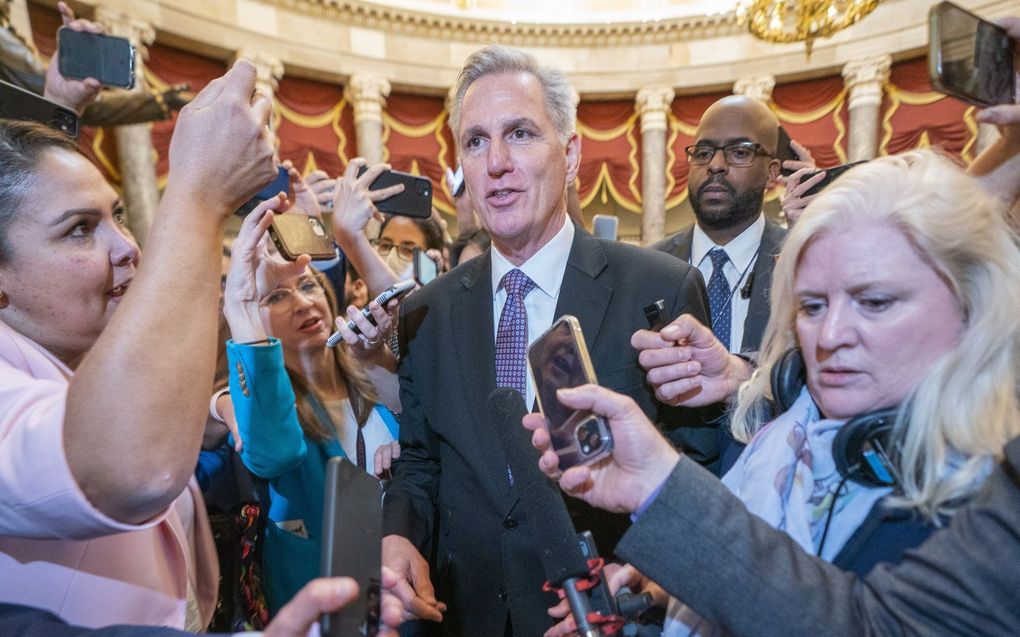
(965, 407)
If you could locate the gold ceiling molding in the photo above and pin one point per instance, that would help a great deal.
(370, 15)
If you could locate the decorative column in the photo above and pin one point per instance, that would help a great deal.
(653, 104)
(864, 79)
(134, 142)
(987, 135)
(367, 94)
(757, 86)
(16, 12)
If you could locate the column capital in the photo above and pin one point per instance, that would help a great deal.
(268, 67)
(653, 103)
(140, 32)
(367, 93)
(864, 78)
(757, 86)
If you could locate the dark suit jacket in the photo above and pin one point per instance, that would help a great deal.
(450, 485)
(25, 621)
(699, 542)
(679, 245)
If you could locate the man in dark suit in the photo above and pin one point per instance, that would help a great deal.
(452, 496)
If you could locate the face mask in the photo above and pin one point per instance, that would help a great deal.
(402, 267)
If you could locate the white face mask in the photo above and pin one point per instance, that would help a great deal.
(402, 267)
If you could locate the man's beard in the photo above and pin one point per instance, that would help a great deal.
(745, 207)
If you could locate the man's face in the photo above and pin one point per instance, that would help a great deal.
(725, 196)
(516, 166)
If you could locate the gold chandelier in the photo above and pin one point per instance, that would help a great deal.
(800, 20)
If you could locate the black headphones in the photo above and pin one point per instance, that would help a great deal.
(863, 447)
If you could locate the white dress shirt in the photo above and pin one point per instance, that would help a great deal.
(742, 252)
(546, 269)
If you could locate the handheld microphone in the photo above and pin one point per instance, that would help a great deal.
(564, 564)
(745, 292)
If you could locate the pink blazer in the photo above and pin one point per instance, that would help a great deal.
(57, 551)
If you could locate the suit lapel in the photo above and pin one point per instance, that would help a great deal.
(581, 294)
(761, 278)
(476, 357)
(682, 244)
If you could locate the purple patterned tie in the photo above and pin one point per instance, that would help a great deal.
(512, 333)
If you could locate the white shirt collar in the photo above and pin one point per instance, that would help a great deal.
(741, 250)
(545, 267)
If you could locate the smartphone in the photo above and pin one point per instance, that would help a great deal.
(425, 269)
(352, 546)
(830, 176)
(280, 184)
(108, 59)
(605, 226)
(457, 187)
(395, 291)
(414, 201)
(558, 359)
(296, 234)
(969, 58)
(784, 152)
(17, 103)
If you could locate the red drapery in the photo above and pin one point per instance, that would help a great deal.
(314, 125)
(610, 154)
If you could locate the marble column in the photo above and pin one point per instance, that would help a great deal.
(757, 86)
(134, 142)
(864, 79)
(653, 104)
(367, 94)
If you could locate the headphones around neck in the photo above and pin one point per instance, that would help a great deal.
(863, 447)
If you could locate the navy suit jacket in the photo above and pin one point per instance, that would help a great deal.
(679, 245)
(450, 494)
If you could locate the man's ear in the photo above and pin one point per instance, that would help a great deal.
(573, 152)
(774, 167)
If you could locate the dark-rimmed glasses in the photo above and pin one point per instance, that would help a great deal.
(737, 154)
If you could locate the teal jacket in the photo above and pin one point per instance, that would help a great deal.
(275, 448)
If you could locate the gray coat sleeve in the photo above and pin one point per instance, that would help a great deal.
(699, 543)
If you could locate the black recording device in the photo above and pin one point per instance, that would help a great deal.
(396, 290)
(655, 313)
(17, 103)
(969, 58)
(831, 174)
(109, 59)
(784, 152)
(352, 546)
(414, 201)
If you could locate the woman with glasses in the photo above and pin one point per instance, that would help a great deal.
(399, 236)
(298, 403)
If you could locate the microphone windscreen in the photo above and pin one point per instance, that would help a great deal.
(540, 497)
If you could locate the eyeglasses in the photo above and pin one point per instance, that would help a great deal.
(738, 154)
(385, 246)
(282, 300)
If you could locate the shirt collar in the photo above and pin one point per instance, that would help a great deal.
(545, 267)
(741, 250)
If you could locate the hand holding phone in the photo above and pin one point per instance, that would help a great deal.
(414, 201)
(393, 292)
(559, 359)
(109, 59)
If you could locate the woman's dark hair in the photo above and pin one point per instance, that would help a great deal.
(433, 233)
(22, 146)
(479, 238)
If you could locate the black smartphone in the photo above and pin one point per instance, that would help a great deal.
(785, 151)
(395, 291)
(352, 546)
(295, 234)
(425, 269)
(280, 184)
(830, 176)
(558, 359)
(969, 58)
(605, 226)
(17, 103)
(414, 201)
(108, 59)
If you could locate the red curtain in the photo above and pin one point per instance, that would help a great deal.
(814, 114)
(416, 139)
(314, 125)
(610, 154)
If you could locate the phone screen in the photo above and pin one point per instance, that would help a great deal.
(108, 59)
(559, 359)
(425, 269)
(971, 59)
